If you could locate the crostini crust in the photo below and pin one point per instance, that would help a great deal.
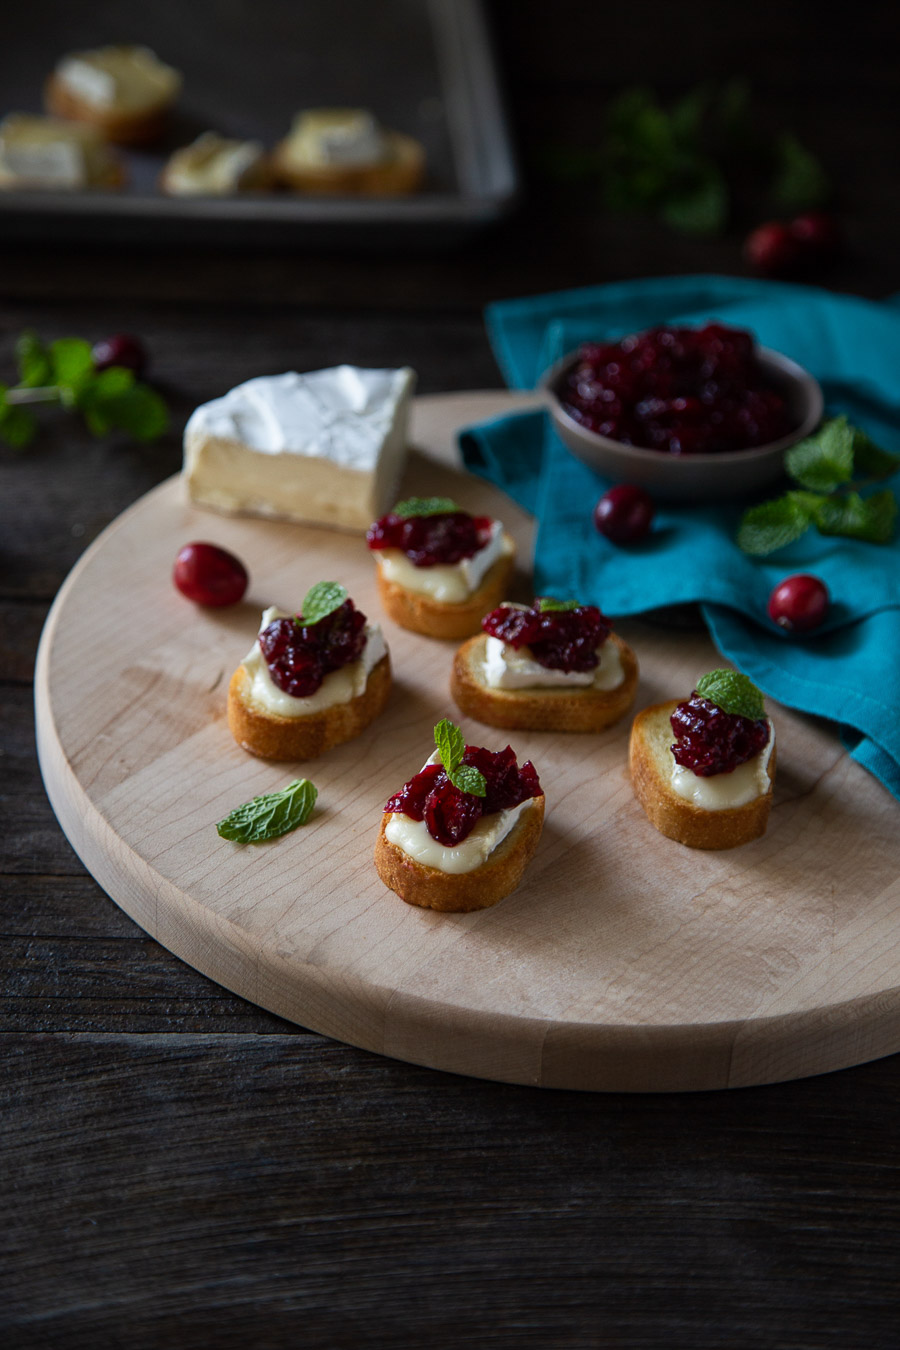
(422, 614)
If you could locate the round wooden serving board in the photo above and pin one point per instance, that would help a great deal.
(623, 962)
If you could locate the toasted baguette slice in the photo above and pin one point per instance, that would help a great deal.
(422, 614)
(400, 173)
(580, 709)
(272, 737)
(118, 126)
(650, 761)
(430, 888)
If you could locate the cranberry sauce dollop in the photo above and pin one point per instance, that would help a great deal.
(680, 390)
(710, 741)
(428, 540)
(559, 639)
(300, 655)
(451, 815)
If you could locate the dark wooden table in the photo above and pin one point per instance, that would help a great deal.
(181, 1168)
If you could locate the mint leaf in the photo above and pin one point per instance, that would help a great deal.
(800, 181)
(868, 518)
(18, 426)
(869, 459)
(547, 605)
(772, 525)
(824, 460)
(34, 363)
(424, 506)
(733, 692)
(450, 744)
(467, 778)
(701, 207)
(72, 367)
(133, 408)
(321, 600)
(269, 816)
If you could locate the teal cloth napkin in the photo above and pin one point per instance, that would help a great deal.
(849, 670)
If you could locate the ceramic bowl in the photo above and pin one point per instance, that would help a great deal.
(698, 478)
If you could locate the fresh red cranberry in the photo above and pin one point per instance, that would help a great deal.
(817, 235)
(451, 815)
(122, 349)
(624, 514)
(678, 390)
(799, 603)
(431, 540)
(773, 249)
(710, 741)
(210, 575)
(299, 655)
(557, 639)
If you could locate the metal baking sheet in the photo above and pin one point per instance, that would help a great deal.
(422, 66)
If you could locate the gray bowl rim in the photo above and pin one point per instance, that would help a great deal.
(786, 366)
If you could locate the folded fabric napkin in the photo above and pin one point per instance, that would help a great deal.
(849, 669)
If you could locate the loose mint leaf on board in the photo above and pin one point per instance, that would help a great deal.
(34, 362)
(824, 461)
(450, 744)
(469, 779)
(269, 816)
(547, 605)
(870, 519)
(772, 525)
(869, 459)
(733, 692)
(424, 506)
(321, 600)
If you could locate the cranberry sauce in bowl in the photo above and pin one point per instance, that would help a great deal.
(688, 413)
(451, 815)
(443, 538)
(558, 639)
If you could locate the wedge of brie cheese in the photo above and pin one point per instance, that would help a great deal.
(327, 447)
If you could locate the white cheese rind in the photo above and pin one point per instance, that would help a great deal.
(340, 686)
(326, 447)
(507, 668)
(724, 791)
(447, 583)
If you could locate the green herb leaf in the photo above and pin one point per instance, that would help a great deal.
(130, 407)
(425, 506)
(774, 524)
(800, 181)
(547, 605)
(34, 363)
(469, 779)
(321, 600)
(869, 459)
(824, 460)
(701, 207)
(733, 692)
(450, 743)
(73, 367)
(18, 426)
(269, 816)
(868, 518)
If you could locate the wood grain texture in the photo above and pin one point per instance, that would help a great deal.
(623, 962)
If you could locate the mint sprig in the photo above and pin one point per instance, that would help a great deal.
(321, 600)
(63, 373)
(547, 605)
(830, 467)
(451, 747)
(271, 815)
(733, 692)
(424, 506)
